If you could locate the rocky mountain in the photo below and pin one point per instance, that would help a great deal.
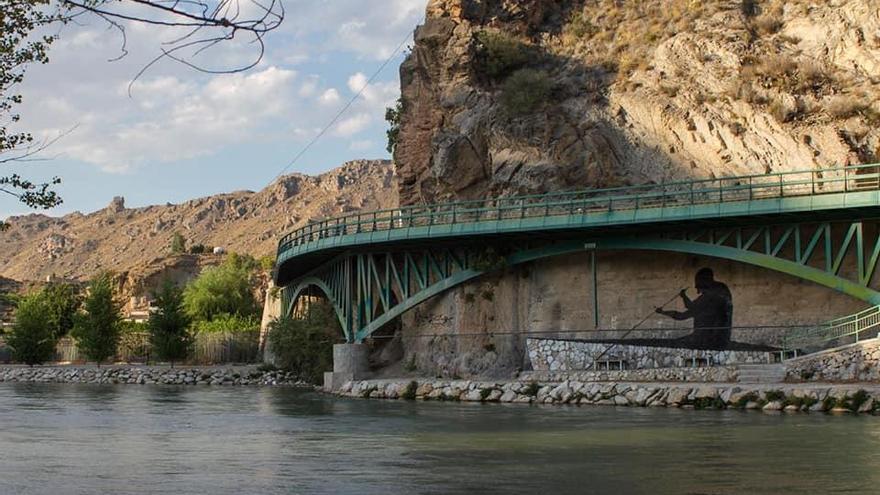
(135, 242)
(503, 97)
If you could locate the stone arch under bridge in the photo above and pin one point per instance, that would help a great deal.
(369, 288)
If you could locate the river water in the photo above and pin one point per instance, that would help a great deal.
(84, 439)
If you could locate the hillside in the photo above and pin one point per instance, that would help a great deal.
(523, 97)
(136, 241)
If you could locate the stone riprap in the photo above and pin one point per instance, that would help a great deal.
(723, 374)
(571, 355)
(788, 398)
(143, 375)
(855, 362)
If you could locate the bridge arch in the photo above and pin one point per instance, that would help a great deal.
(368, 290)
(292, 294)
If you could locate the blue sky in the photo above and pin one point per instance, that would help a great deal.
(184, 134)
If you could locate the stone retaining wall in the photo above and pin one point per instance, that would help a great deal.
(724, 374)
(855, 362)
(777, 397)
(244, 375)
(570, 355)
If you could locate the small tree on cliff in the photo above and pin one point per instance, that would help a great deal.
(169, 334)
(32, 338)
(97, 329)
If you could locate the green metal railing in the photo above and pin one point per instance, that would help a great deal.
(596, 201)
(833, 333)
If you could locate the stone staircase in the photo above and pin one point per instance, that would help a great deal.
(760, 373)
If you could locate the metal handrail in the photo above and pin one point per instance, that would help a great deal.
(591, 201)
(847, 326)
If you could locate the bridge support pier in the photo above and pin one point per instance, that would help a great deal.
(350, 362)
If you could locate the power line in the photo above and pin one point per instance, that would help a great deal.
(344, 109)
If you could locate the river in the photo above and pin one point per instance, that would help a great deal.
(84, 439)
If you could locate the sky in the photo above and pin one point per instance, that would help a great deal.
(177, 134)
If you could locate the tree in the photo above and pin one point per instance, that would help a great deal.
(178, 243)
(224, 289)
(62, 303)
(305, 345)
(97, 330)
(169, 325)
(32, 339)
(192, 27)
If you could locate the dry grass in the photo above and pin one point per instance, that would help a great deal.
(845, 106)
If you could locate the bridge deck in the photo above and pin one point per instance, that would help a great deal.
(816, 194)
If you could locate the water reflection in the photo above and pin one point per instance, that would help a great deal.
(225, 440)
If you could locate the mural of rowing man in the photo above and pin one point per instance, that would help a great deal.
(712, 312)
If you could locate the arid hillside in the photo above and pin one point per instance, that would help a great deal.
(137, 241)
(507, 97)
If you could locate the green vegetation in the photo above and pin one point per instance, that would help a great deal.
(169, 325)
(198, 249)
(222, 290)
(224, 323)
(32, 338)
(532, 389)
(525, 91)
(502, 53)
(62, 303)
(178, 243)
(774, 396)
(305, 345)
(97, 330)
(394, 117)
(485, 393)
(410, 392)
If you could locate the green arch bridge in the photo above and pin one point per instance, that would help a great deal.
(818, 225)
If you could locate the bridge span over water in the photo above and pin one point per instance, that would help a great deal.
(817, 225)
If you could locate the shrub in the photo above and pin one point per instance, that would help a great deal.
(501, 53)
(32, 338)
(225, 323)
(394, 117)
(532, 389)
(198, 249)
(97, 330)
(844, 107)
(178, 243)
(410, 392)
(169, 325)
(62, 303)
(525, 91)
(305, 345)
(224, 289)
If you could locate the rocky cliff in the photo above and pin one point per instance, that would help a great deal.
(503, 97)
(509, 97)
(136, 242)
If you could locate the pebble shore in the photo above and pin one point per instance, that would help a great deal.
(146, 375)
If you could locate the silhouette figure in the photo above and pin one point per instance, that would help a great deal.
(712, 312)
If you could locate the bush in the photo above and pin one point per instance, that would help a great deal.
(305, 346)
(225, 323)
(844, 107)
(224, 289)
(32, 338)
(62, 303)
(169, 325)
(394, 117)
(178, 243)
(501, 53)
(198, 249)
(525, 91)
(97, 330)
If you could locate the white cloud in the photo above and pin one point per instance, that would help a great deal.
(353, 125)
(329, 97)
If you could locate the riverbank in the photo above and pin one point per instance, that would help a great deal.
(861, 398)
(147, 375)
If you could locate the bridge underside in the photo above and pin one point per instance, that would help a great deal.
(370, 287)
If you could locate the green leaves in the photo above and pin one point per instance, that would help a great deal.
(97, 330)
(225, 289)
(32, 338)
(169, 325)
(305, 345)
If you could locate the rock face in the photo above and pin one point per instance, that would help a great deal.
(504, 97)
(136, 242)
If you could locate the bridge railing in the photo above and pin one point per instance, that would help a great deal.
(595, 201)
(845, 330)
